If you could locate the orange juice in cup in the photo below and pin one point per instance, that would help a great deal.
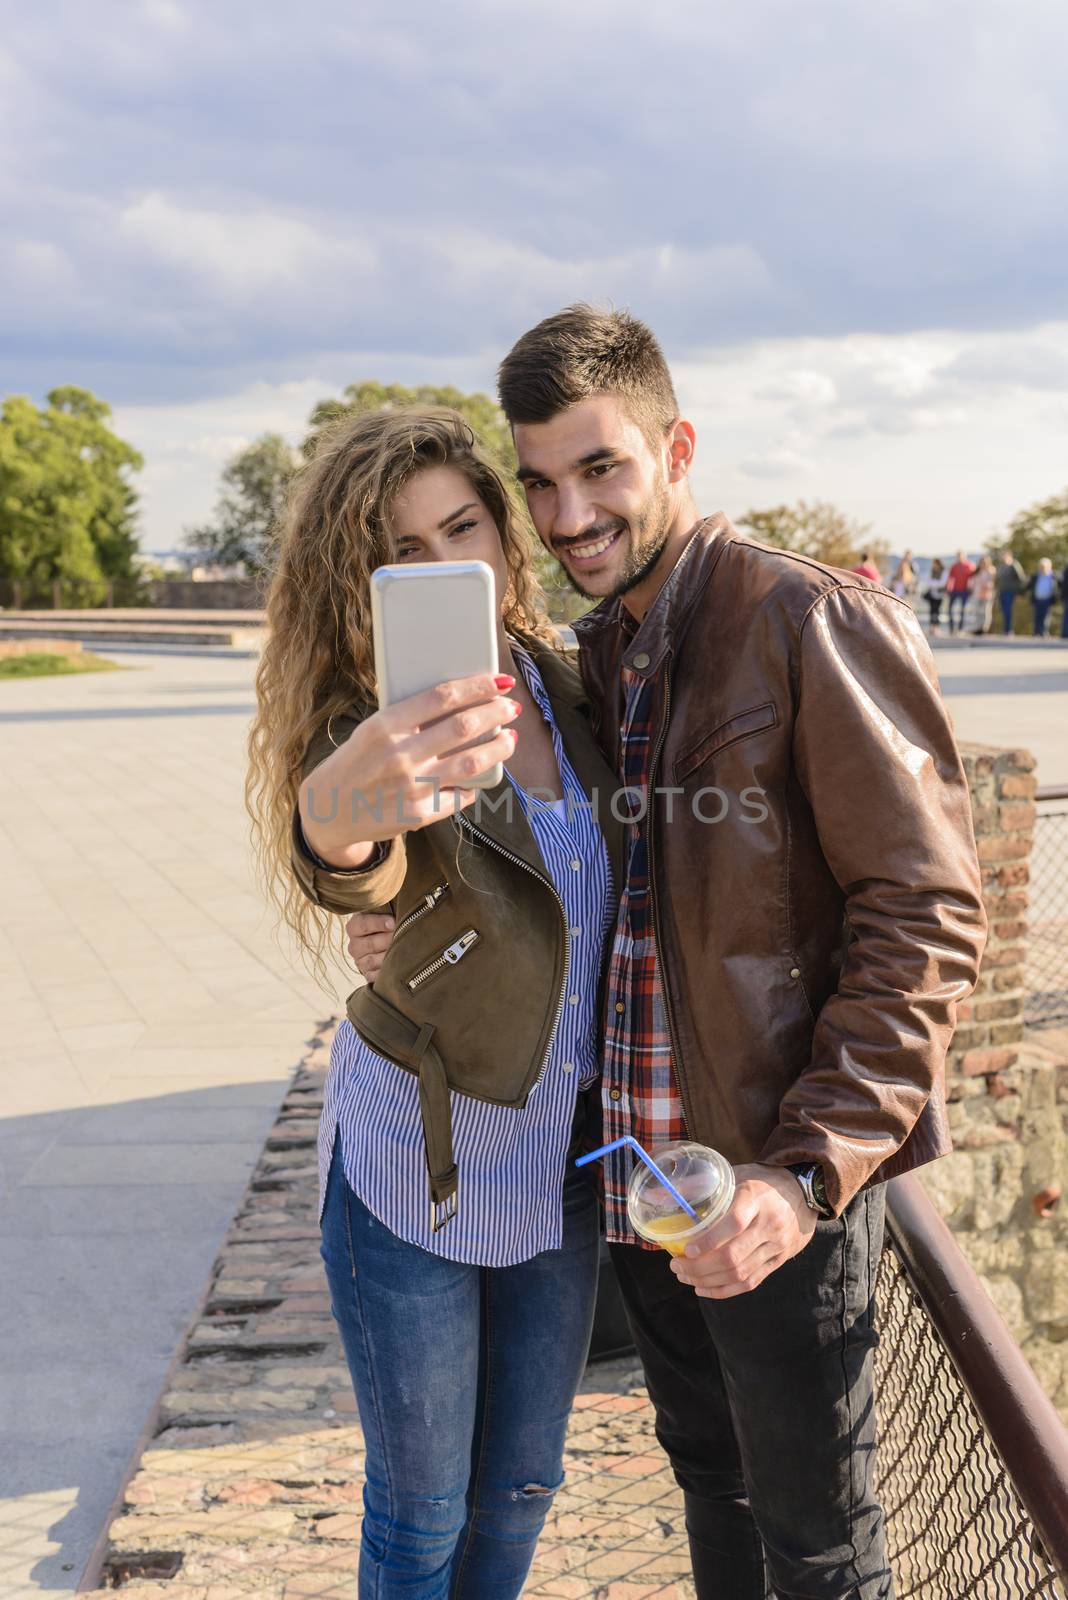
(703, 1178)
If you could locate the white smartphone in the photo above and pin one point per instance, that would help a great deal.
(434, 621)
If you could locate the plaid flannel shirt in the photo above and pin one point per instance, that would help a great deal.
(639, 1091)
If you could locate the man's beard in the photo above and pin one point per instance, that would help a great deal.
(650, 530)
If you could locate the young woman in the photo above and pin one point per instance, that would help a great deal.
(983, 595)
(459, 1240)
(1042, 588)
(903, 582)
(935, 593)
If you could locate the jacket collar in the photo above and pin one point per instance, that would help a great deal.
(504, 822)
(665, 622)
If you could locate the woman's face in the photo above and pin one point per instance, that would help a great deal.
(437, 516)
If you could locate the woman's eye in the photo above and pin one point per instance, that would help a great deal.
(461, 527)
(602, 470)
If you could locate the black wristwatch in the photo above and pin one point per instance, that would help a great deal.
(810, 1177)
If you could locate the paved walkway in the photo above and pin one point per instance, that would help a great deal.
(1010, 692)
(150, 1023)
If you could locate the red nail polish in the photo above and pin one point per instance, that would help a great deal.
(516, 707)
(504, 681)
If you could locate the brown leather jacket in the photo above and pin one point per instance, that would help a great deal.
(815, 886)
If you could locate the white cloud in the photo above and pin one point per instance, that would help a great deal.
(256, 251)
(777, 463)
(166, 14)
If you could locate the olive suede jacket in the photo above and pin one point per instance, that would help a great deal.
(472, 986)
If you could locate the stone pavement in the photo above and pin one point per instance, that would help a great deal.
(150, 1025)
(249, 1487)
(1009, 692)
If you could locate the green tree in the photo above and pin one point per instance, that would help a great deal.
(251, 498)
(1040, 530)
(484, 415)
(489, 425)
(67, 503)
(815, 528)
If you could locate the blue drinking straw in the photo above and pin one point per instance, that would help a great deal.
(629, 1139)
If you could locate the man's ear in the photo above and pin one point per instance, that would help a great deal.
(681, 443)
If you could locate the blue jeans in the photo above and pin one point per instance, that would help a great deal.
(958, 605)
(1042, 611)
(765, 1407)
(464, 1378)
(1006, 601)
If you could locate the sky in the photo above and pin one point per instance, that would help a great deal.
(846, 224)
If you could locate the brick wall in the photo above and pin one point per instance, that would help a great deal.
(990, 1025)
(1008, 1093)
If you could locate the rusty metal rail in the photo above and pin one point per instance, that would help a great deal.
(973, 1458)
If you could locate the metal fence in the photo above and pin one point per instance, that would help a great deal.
(1046, 976)
(973, 1460)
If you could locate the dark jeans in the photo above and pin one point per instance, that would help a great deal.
(464, 1377)
(764, 1406)
(958, 605)
(1042, 611)
(1006, 601)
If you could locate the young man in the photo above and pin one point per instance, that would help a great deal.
(1009, 583)
(800, 917)
(958, 587)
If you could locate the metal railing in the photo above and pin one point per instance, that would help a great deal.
(1046, 973)
(973, 1459)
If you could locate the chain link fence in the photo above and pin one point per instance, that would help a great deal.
(955, 1525)
(1046, 976)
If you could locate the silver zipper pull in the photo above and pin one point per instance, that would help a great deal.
(460, 948)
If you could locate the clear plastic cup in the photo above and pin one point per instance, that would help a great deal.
(703, 1177)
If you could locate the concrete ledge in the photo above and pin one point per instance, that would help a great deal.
(164, 616)
(104, 633)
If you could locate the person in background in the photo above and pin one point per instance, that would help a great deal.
(866, 568)
(1009, 582)
(935, 593)
(983, 595)
(1064, 602)
(958, 586)
(1043, 591)
(903, 583)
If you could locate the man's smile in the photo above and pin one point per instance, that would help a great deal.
(582, 552)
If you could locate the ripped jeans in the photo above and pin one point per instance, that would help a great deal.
(464, 1377)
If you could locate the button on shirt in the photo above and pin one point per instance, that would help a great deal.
(640, 1094)
(511, 1161)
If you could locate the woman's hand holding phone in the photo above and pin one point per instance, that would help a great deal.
(407, 766)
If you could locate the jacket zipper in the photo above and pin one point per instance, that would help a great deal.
(463, 822)
(676, 1054)
(427, 903)
(448, 958)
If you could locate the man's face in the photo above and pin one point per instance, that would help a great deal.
(598, 494)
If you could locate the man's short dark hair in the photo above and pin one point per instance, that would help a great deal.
(581, 352)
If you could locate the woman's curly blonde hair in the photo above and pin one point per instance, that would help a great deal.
(318, 659)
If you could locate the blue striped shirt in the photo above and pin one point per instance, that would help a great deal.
(511, 1162)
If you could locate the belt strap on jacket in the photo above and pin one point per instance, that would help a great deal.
(436, 1111)
(402, 1041)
